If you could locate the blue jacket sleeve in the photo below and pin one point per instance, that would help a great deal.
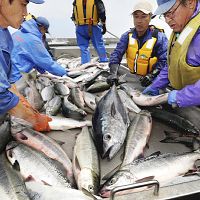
(189, 95)
(119, 51)
(40, 58)
(160, 51)
(8, 100)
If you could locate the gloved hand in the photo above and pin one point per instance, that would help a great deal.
(41, 122)
(25, 111)
(147, 80)
(103, 29)
(151, 91)
(172, 98)
(113, 78)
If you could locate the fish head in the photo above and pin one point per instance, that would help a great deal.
(120, 178)
(10, 152)
(110, 146)
(88, 180)
(18, 125)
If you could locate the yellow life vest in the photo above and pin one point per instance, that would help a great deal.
(139, 60)
(91, 13)
(180, 73)
(29, 16)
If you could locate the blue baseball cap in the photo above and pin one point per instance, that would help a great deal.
(42, 21)
(164, 6)
(37, 1)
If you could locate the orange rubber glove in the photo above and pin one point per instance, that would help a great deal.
(25, 111)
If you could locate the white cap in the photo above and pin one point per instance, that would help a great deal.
(143, 5)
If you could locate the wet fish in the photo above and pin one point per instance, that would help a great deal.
(38, 191)
(110, 122)
(36, 166)
(137, 137)
(42, 143)
(33, 96)
(12, 186)
(98, 86)
(86, 170)
(48, 93)
(77, 98)
(5, 135)
(144, 100)
(53, 106)
(61, 88)
(72, 111)
(175, 121)
(163, 168)
(192, 142)
(90, 99)
(128, 102)
(63, 124)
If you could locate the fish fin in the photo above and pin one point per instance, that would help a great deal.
(192, 173)
(113, 110)
(111, 173)
(148, 178)
(141, 156)
(196, 143)
(16, 165)
(45, 183)
(157, 153)
(77, 164)
(86, 192)
(170, 137)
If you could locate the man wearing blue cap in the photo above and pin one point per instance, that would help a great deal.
(183, 72)
(12, 13)
(29, 51)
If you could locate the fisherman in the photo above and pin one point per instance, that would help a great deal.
(29, 50)
(89, 17)
(12, 13)
(145, 47)
(44, 37)
(183, 71)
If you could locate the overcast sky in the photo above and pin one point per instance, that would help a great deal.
(118, 12)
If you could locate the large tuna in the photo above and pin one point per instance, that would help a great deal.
(110, 122)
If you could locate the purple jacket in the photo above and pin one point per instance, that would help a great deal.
(190, 94)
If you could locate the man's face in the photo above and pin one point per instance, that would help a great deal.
(179, 15)
(12, 14)
(141, 21)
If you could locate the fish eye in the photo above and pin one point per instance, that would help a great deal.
(113, 181)
(107, 137)
(90, 188)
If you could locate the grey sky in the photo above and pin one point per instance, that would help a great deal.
(118, 12)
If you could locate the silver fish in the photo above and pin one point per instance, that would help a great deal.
(110, 122)
(163, 168)
(12, 186)
(137, 137)
(35, 166)
(86, 170)
(63, 124)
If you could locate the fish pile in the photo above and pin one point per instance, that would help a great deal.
(107, 118)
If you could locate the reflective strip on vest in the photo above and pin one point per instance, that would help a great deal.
(91, 13)
(139, 60)
(180, 73)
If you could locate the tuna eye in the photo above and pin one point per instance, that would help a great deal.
(107, 137)
(113, 181)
